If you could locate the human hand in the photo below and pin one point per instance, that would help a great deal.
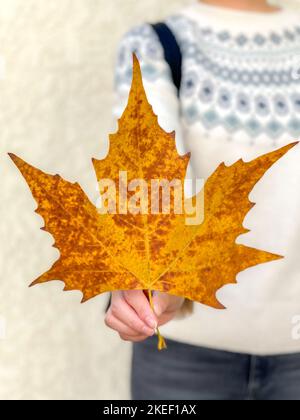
(130, 313)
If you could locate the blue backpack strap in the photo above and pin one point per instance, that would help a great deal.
(172, 51)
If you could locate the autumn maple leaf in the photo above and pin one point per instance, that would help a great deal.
(122, 250)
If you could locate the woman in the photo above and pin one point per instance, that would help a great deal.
(239, 97)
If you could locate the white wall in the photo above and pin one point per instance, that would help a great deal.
(56, 59)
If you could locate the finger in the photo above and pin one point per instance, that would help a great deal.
(139, 302)
(160, 303)
(134, 339)
(164, 303)
(117, 325)
(125, 313)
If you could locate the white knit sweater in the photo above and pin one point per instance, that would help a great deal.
(240, 97)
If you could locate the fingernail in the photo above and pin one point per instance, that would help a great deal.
(151, 322)
(148, 331)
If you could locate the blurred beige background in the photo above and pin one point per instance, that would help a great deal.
(56, 84)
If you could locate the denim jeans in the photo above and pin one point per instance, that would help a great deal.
(187, 372)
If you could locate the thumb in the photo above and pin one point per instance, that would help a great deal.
(160, 303)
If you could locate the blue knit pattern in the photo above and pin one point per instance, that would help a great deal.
(241, 83)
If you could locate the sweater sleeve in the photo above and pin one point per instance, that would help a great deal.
(157, 78)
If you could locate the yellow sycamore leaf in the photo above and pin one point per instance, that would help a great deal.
(143, 236)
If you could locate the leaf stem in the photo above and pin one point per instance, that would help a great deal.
(161, 344)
